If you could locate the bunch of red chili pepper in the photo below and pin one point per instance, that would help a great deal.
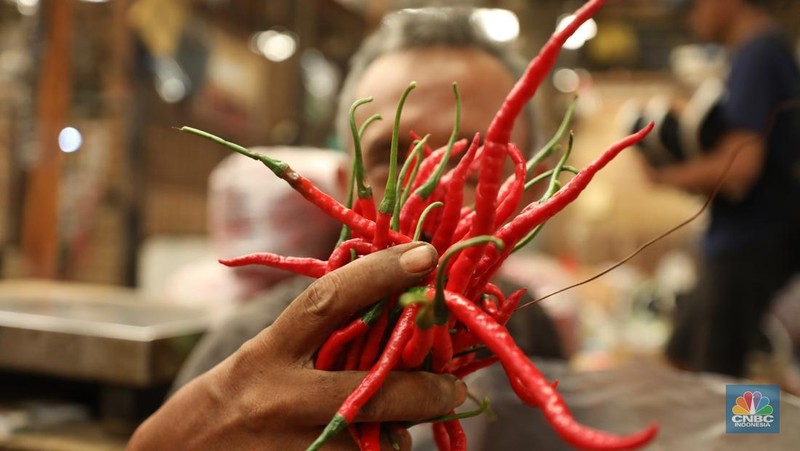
(439, 325)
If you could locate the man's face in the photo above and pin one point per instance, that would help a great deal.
(483, 83)
(709, 19)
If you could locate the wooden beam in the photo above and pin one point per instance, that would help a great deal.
(40, 220)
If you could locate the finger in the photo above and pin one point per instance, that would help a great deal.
(404, 396)
(314, 315)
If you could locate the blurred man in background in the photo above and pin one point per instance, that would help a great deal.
(752, 245)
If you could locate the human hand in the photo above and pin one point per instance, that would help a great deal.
(654, 175)
(269, 396)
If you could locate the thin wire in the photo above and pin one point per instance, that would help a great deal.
(788, 105)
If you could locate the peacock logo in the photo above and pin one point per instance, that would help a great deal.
(752, 409)
(752, 403)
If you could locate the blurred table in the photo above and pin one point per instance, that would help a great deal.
(97, 333)
(81, 364)
(688, 407)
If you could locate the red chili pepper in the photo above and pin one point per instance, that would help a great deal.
(342, 254)
(332, 348)
(492, 290)
(418, 347)
(372, 382)
(460, 361)
(330, 351)
(537, 70)
(306, 266)
(536, 213)
(354, 353)
(371, 348)
(370, 437)
(509, 195)
(489, 306)
(458, 439)
(511, 191)
(365, 207)
(508, 307)
(497, 138)
(440, 436)
(464, 224)
(485, 204)
(474, 366)
(355, 434)
(463, 340)
(539, 392)
(455, 197)
(442, 349)
(406, 178)
(416, 201)
(357, 223)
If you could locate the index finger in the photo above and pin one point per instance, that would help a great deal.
(303, 327)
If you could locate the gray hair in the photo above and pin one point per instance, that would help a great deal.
(425, 27)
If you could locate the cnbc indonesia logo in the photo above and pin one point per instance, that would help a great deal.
(753, 411)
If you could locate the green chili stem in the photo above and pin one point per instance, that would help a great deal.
(392, 439)
(357, 170)
(344, 235)
(547, 149)
(528, 238)
(364, 191)
(427, 188)
(374, 312)
(390, 195)
(358, 162)
(483, 406)
(470, 350)
(547, 174)
(337, 424)
(418, 295)
(275, 165)
(415, 159)
(414, 295)
(423, 216)
(554, 183)
(406, 192)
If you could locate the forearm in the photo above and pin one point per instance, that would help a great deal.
(733, 165)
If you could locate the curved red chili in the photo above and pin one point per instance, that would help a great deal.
(306, 266)
(539, 391)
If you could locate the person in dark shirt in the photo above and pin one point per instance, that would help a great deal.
(752, 245)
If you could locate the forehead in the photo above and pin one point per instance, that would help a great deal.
(483, 82)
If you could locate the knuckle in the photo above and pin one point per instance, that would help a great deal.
(412, 396)
(255, 414)
(321, 296)
(440, 393)
(373, 410)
